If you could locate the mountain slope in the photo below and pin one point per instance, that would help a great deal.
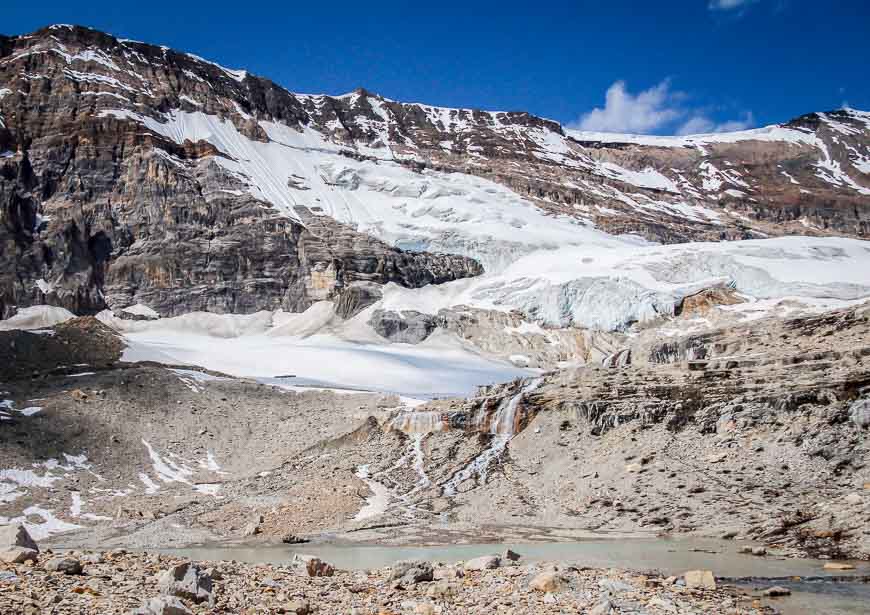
(132, 173)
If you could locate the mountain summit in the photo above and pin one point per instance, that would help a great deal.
(132, 173)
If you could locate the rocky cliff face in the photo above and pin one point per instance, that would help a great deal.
(98, 213)
(131, 173)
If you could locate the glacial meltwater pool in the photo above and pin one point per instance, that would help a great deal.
(815, 592)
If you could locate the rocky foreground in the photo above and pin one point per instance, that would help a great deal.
(154, 584)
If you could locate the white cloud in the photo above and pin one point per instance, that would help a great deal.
(696, 126)
(748, 121)
(652, 111)
(729, 5)
(701, 124)
(626, 112)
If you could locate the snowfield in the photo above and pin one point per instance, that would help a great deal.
(36, 317)
(268, 345)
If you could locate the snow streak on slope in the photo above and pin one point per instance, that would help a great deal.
(767, 133)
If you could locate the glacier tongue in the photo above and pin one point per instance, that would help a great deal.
(609, 288)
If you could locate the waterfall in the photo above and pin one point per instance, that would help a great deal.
(479, 465)
(420, 463)
(419, 422)
(503, 427)
(505, 420)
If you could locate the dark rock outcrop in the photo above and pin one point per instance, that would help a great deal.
(407, 326)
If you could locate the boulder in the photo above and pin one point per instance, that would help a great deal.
(406, 327)
(19, 555)
(441, 590)
(602, 608)
(164, 605)
(859, 412)
(298, 607)
(313, 566)
(664, 605)
(510, 556)
(700, 579)
(448, 572)
(411, 572)
(424, 608)
(775, 591)
(614, 587)
(703, 301)
(854, 499)
(485, 562)
(186, 581)
(547, 582)
(66, 565)
(16, 536)
(758, 551)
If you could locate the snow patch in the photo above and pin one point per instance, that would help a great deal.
(36, 317)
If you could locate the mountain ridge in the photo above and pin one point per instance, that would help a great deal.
(109, 136)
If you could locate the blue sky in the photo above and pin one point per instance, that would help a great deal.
(641, 66)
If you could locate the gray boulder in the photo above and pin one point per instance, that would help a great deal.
(12, 536)
(406, 327)
(411, 572)
(313, 566)
(164, 605)
(186, 581)
(18, 555)
(65, 565)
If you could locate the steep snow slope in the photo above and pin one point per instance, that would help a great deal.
(383, 193)
(428, 210)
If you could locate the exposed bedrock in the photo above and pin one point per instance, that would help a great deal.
(178, 243)
(667, 445)
(498, 333)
